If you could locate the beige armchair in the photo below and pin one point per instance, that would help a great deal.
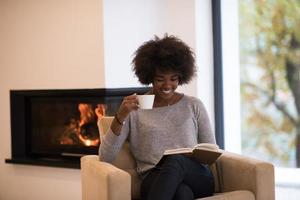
(237, 177)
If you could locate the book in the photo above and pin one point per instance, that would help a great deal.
(205, 153)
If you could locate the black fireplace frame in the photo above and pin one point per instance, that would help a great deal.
(20, 99)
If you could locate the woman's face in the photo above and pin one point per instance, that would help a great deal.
(165, 84)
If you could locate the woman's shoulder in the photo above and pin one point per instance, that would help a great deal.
(194, 103)
(193, 100)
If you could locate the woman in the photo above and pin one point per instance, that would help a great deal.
(176, 120)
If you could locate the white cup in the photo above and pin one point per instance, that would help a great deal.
(146, 101)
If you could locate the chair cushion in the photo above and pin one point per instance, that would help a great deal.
(235, 195)
(135, 183)
(124, 159)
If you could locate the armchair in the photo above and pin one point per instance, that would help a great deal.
(237, 177)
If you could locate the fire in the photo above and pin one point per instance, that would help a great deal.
(88, 142)
(84, 131)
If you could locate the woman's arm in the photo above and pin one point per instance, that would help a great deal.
(113, 140)
(205, 133)
(111, 143)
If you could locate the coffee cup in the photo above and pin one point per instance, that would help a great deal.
(146, 101)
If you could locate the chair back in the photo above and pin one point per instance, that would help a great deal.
(124, 159)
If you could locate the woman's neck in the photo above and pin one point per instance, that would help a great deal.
(160, 102)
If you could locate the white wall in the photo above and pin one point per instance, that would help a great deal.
(66, 44)
(189, 20)
(146, 18)
(46, 44)
(205, 60)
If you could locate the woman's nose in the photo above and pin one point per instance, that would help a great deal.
(167, 85)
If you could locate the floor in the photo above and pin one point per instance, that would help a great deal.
(287, 193)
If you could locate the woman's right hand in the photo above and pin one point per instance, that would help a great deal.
(128, 104)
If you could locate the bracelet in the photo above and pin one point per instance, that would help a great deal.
(118, 120)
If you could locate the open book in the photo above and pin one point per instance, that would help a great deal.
(205, 153)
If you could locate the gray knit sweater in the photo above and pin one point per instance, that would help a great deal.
(151, 132)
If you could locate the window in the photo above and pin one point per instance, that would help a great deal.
(261, 84)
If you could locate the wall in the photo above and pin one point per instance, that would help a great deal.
(46, 44)
(66, 44)
(205, 60)
(147, 18)
(189, 20)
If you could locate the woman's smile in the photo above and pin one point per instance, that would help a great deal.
(167, 91)
(164, 87)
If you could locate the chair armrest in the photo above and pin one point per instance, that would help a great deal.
(103, 181)
(243, 173)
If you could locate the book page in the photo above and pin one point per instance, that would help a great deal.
(204, 153)
(208, 146)
(177, 151)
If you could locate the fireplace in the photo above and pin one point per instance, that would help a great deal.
(57, 127)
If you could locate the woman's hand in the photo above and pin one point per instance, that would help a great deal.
(128, 104)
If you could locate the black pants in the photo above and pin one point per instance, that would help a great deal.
(178, 178)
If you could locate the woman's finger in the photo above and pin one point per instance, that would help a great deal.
(133, 96)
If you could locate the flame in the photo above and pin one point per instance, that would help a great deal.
(88, 142)
(85, 129)
(88, 115)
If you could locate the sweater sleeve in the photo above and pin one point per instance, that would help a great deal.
(111, 144)
(205, 133)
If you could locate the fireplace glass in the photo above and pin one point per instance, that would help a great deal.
(68, 126)
(57, 127)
